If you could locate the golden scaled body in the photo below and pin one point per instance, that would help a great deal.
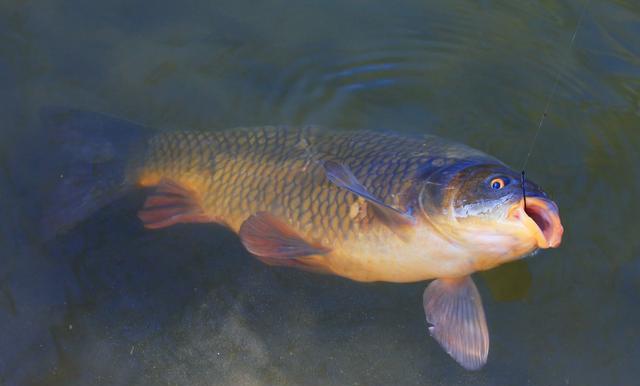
(234, 174)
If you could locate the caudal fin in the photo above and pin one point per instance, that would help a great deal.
(90, 152)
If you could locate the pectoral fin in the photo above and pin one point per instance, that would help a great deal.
(265, 235)
(454, 309)
(343, 177)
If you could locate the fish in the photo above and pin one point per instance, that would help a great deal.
(368, 206)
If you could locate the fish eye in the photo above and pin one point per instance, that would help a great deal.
(497, 183)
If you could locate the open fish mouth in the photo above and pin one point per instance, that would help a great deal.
(541, 217)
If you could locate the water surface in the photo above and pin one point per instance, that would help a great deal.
(110, 303)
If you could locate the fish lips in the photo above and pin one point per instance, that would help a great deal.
(541, 217)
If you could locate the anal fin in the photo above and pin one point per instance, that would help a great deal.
(454, 309)
(169, 204)
(266, 236)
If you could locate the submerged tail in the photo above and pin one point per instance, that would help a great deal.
(91, 152)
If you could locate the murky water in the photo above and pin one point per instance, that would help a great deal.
(111, 303)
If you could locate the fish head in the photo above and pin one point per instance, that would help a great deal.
(481, 207)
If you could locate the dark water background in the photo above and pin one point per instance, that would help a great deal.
(110, 303)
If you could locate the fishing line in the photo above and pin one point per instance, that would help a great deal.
(549, 99)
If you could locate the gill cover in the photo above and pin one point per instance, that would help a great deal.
(455, 189)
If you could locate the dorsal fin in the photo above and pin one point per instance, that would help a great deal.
(343, 177)
(169, 204)
(265, 235)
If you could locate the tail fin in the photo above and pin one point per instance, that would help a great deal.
(91, 151)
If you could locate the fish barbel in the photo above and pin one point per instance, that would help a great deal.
(364, 205)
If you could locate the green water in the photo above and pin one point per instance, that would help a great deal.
(110, 303)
